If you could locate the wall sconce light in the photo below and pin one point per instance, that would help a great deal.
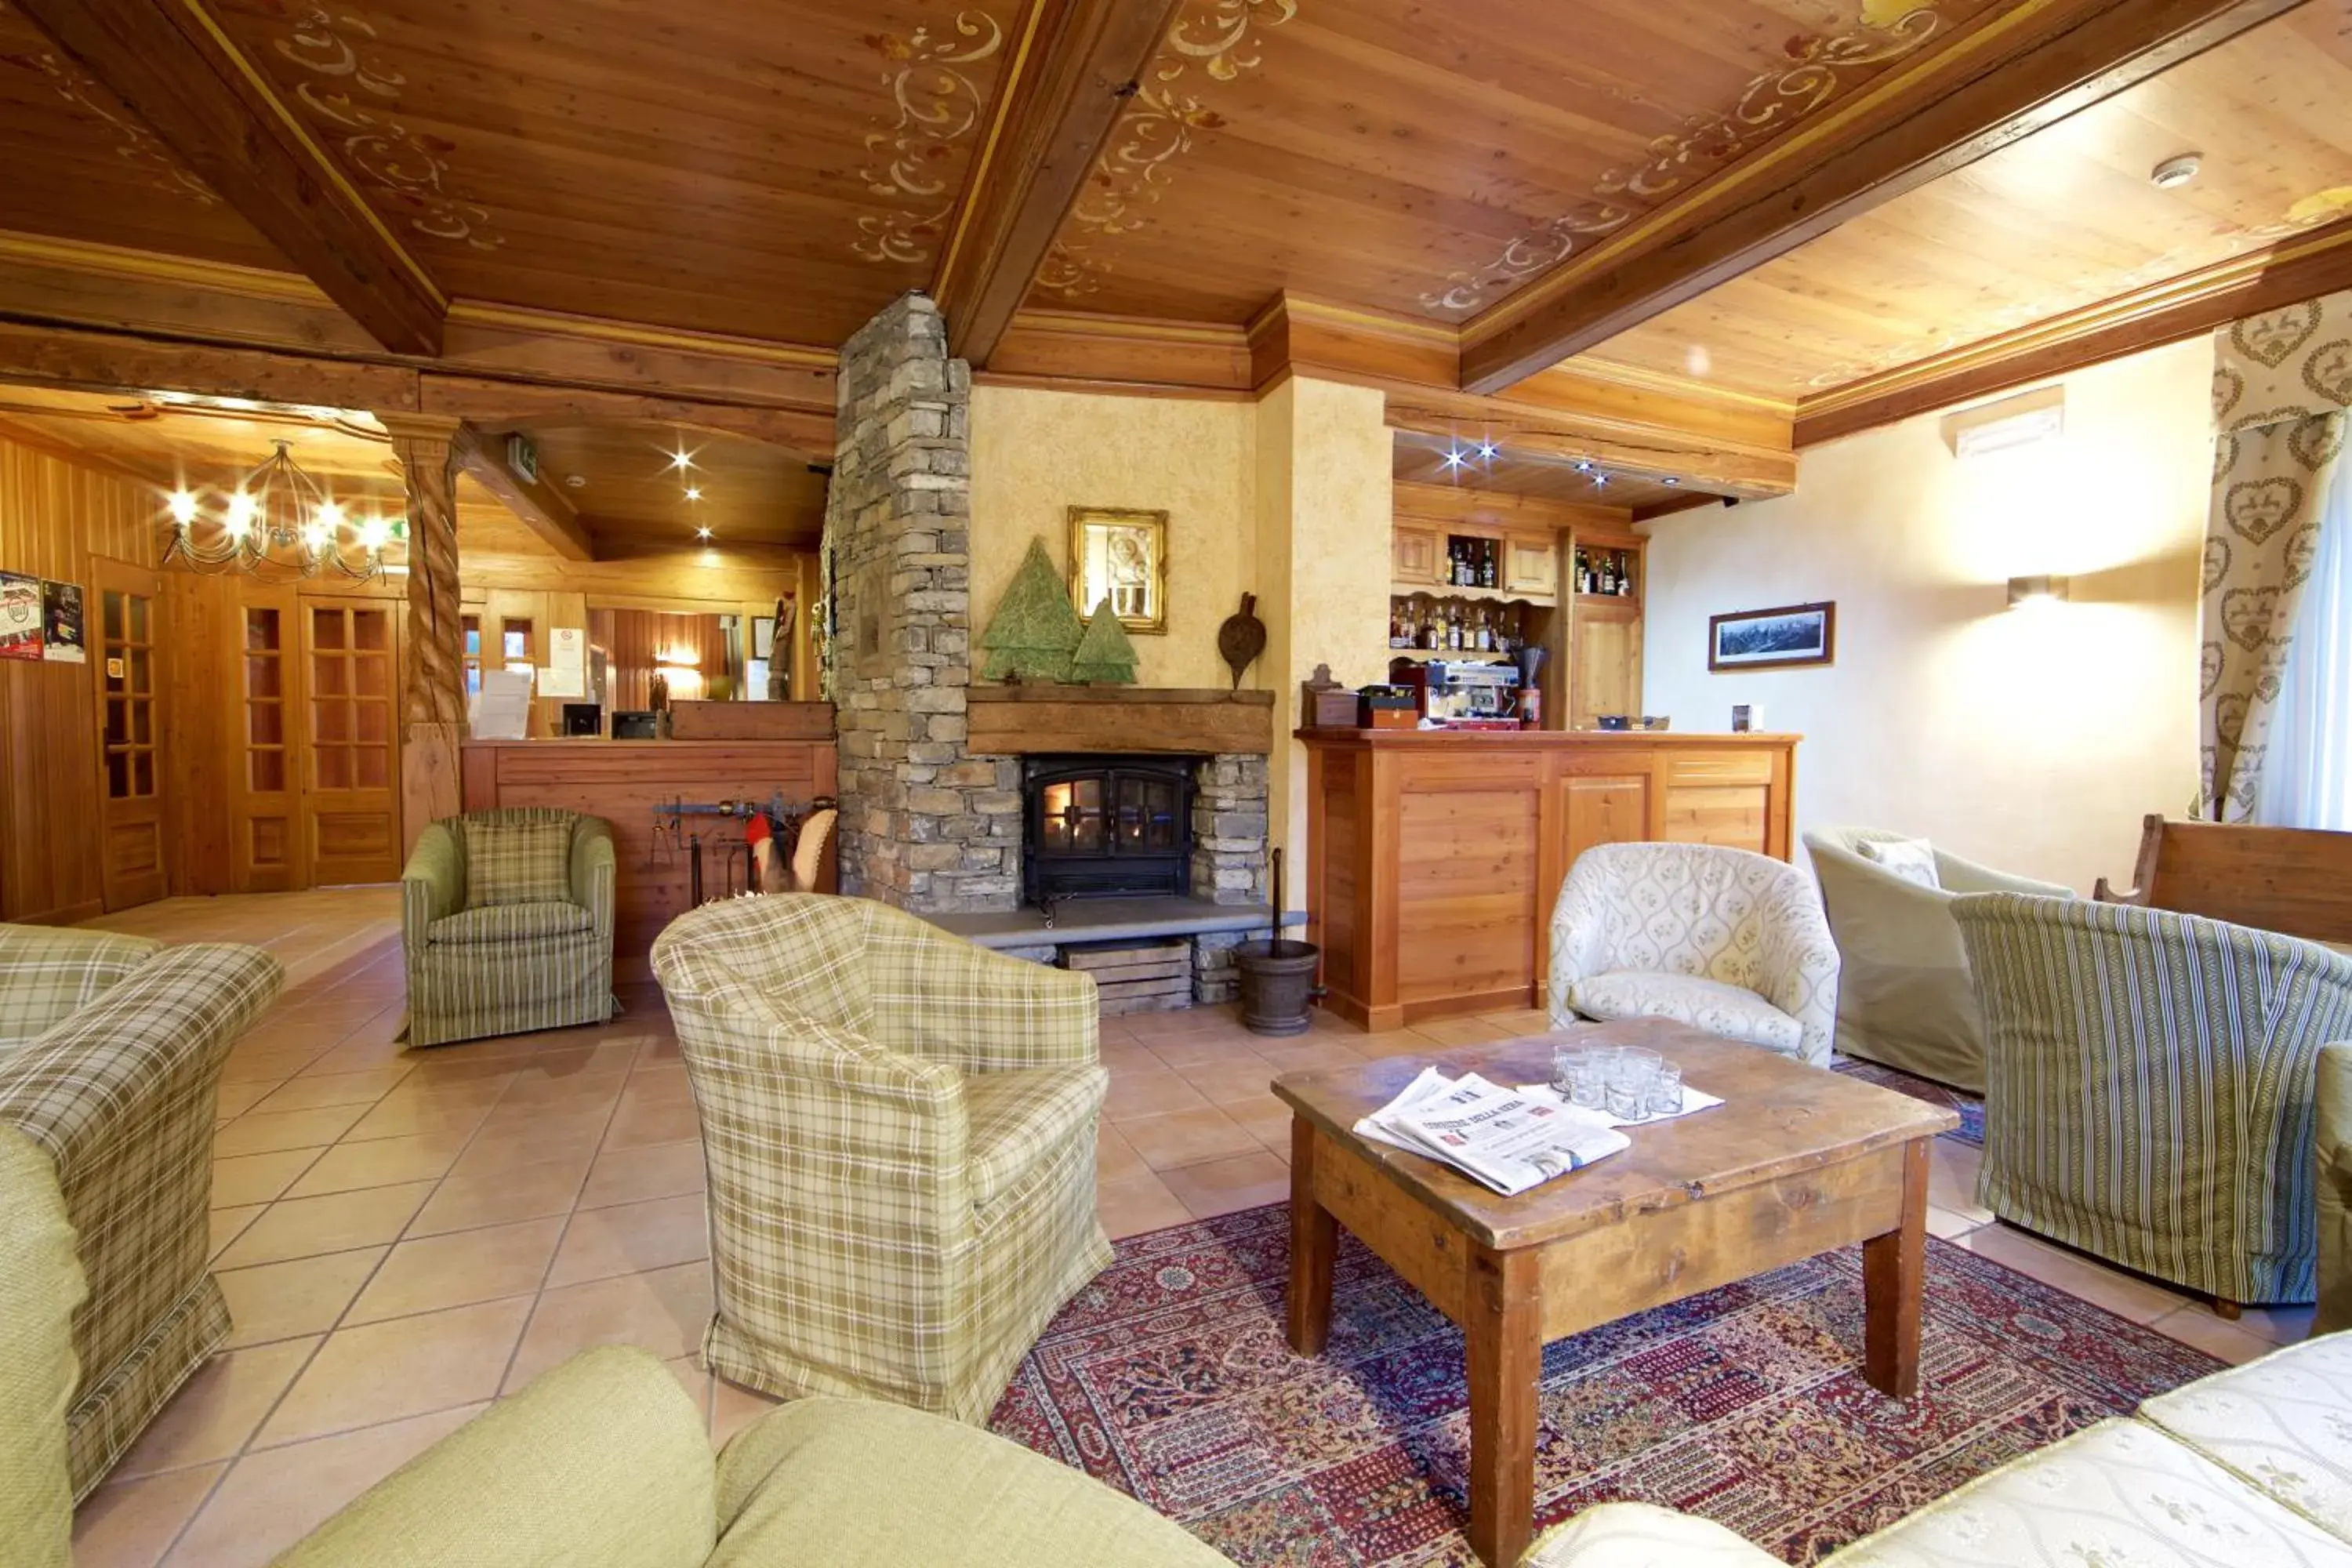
(2032, 593)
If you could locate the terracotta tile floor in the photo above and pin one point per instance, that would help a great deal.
(406, 1236)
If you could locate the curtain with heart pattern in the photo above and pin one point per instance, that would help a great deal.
(2282, 381)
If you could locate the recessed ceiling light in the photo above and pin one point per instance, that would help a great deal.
(1583, 464)
(1672, 480)
(681, 458)
(693, 492)
(1452, 458)
(577, 482)
(702, 533)
(1487, 450)
(1599, 480)
(2174, 172)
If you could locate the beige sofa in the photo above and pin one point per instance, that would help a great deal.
(1904, 996)
(2248, 1468)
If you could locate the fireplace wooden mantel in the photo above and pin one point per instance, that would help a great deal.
(1016, 721)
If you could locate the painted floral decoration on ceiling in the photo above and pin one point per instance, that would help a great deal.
(914, 160)
(1819, 69)
(1159, 127)
(133, 143)
(352, 97)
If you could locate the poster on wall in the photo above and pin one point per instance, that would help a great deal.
(565, 673)
(20, 617)
(62, 640)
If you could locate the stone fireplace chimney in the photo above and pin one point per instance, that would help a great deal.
(922, 827)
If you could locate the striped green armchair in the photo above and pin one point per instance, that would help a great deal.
(506, 922)
(900, 1133)
(2150, 1086)
(110, 1055)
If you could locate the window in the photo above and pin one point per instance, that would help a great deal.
(473, 656)
(2307, 776)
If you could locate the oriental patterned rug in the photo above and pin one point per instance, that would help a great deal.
(1169, 1378)
(1970, 1106)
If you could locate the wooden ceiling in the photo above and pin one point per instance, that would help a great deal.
(630, 499)
(552, 216)
(2063, 220)
(1467, 463)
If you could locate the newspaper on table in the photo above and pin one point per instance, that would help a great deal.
(1500, 1137)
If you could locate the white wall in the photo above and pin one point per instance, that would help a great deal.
(2034, 741)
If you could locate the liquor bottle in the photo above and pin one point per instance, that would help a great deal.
(1482, 636)
(1396, 624)
(1583, 578)
(1625, 575)
(1487, 574)
(1464, 573)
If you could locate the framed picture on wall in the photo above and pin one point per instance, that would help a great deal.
(1122, 557)
(1772, 639)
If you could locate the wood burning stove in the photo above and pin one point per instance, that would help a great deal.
(1101, 826)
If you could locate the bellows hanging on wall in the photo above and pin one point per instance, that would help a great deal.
(1242, 639)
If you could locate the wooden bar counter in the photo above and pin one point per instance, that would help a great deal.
(623, 782)
(1435, 857)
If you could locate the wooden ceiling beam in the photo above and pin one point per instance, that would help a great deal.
(1073, 72)
(174, 68)
(2285, 273)
(537, 505)
(2016, 73)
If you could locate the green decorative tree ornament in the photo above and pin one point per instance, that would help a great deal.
(1036, 630)
(1104, 654)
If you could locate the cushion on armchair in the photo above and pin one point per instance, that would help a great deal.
(1730, 1011)
(1014, 1119)
(511, 922)
(1913, 860)
(48, 976)
(516, 862)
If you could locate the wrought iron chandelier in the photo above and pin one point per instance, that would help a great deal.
(281, 518)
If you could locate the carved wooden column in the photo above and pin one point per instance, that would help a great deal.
(432, 664)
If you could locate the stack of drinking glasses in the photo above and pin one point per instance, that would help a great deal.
(1628, 1083)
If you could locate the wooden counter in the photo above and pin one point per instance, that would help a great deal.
(622, 782)
(1433, 858)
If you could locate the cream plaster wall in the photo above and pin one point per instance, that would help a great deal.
(1036, 454)
(1287, 499)
(1324, 505)
(2033, 740)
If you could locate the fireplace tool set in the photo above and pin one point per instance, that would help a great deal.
(773, 825)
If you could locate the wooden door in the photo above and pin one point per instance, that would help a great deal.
(350, 803)
(131, 764)
(266, 851)
(1604, 664)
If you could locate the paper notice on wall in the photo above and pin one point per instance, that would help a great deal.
(565, 674)
(62, 642)
(20, 617)
(502, 712)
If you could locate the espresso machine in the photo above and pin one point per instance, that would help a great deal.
(1462, 696)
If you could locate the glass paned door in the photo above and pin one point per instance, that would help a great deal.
(266, 774)
(130, 767)
(352, 667)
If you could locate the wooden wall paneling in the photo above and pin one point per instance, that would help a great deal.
(200, 681)
(1719, 797)
(56, 518)
(1468, 864)
(623, 782)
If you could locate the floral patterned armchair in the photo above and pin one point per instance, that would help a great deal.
(1722, 940)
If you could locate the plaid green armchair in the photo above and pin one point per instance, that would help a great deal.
(110, 1055)
(2150, 1086)
(505, 923)
(900, 1133)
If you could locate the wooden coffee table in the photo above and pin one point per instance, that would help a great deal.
(1795, 1162)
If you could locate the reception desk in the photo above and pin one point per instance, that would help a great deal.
(625, 782)
(1435, 857)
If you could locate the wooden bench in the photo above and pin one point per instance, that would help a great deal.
(2293, 880)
